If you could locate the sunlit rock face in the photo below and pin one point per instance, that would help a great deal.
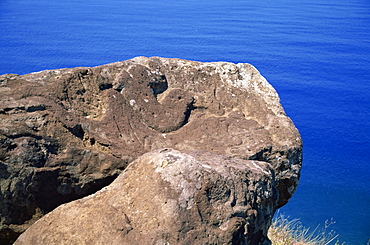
(65, 134)
(169, 197)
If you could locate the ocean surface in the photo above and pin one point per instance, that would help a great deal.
(315, 53)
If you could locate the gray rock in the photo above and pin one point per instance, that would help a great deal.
(64, 134)
(169, 197)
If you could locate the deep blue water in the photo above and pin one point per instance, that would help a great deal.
(315, 53)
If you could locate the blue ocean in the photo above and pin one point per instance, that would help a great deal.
(315, 53)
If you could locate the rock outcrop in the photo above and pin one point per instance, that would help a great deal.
(64, 134)
(169, 197)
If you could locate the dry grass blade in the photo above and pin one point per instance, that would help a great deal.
(291, 232)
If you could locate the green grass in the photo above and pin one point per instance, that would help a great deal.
(291, 232)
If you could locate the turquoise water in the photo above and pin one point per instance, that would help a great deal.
(315, 53)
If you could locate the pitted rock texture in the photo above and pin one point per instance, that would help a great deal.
(169, 197)
(67, 133)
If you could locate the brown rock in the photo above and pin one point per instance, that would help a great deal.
(65, 134)
(169, 197)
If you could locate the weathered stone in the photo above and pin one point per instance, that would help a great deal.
(169, 197)
(66, 133)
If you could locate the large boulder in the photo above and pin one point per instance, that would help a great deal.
(65, 134)
(169, 197)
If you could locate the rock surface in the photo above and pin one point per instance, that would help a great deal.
(169, 197)
(67, 133)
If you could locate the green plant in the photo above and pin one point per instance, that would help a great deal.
(291, 232)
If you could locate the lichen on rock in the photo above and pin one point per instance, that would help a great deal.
(64, 134)
(170, 197)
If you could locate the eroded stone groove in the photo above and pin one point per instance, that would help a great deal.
(66, 133)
